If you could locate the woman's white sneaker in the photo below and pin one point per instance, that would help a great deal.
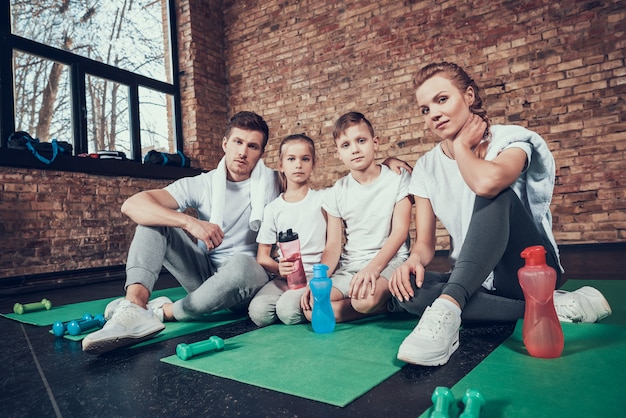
(434, 339)
(586, 304)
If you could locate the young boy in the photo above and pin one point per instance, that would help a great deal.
(372, 203)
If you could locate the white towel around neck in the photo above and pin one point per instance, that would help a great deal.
(262, 191)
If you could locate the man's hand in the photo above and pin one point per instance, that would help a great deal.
(211, 234)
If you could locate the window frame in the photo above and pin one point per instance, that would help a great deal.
(79, 68)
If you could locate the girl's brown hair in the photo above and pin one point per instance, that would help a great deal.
(462, 81)
(286, 140)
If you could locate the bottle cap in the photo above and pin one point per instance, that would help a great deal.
(320, 271)
(535, 255)
(287, 236)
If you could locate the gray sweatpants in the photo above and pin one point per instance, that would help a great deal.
(209, 288)
(276, 301)
(499, 230)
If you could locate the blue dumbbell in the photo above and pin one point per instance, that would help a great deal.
(59, 328)
(76, 327)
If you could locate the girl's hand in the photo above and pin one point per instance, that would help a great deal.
(306, 301)
(285, 267)
(400, 281)
(360, 281)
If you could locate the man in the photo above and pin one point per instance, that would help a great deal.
(220, 271)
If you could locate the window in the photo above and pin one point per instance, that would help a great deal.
(98, 74)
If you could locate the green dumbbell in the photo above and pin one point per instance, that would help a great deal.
(19, 308)
(442, 399)
(473, 401)
(187, 351)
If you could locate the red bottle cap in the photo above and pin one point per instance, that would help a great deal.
(535, 255)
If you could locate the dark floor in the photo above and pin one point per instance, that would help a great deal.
(43, 376)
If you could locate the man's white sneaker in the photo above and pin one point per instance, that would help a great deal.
(434, 339)
(129, 325)
(586, 304)
(155, 304)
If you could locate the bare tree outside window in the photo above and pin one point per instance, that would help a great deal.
(125, 34)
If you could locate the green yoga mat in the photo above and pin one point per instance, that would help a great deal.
(586, 381)
(172, 329)
(339, 366)
(72, 311)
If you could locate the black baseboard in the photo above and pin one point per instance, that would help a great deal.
(60, 279)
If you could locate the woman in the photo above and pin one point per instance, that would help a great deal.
(491, 187)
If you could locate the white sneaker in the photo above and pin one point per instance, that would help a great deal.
(155, 304)
(586, 304)
(129, 324)
(434, 339)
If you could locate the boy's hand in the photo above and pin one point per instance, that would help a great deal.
(400, 281)
(360, 281)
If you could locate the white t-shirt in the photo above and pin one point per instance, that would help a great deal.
(305, 218)
(438, 179)
(195, 192)
(367, 212)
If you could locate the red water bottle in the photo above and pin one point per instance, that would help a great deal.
(541, 332)
(290, 248)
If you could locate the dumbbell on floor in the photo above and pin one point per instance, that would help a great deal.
(20, 308)
(473, 401)
(59, 328)
(78, 327)
(187, 351)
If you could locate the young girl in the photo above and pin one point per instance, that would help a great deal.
(491, 187)
(298, 208)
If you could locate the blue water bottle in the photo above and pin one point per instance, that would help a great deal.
(323, 317)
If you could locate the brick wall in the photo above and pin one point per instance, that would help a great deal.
(554, 67)
(54, 221)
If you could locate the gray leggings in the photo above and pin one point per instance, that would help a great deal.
(499, 230)
(209, 289)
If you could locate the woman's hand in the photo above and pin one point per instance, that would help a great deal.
(472, 133)
(400, 281)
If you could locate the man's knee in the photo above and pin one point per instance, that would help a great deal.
(245, 271)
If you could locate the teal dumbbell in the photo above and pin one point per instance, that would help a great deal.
(442, 399)
(473, 401)
(187, 351)
(59, 328)
(19, 308)
(78, 327)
